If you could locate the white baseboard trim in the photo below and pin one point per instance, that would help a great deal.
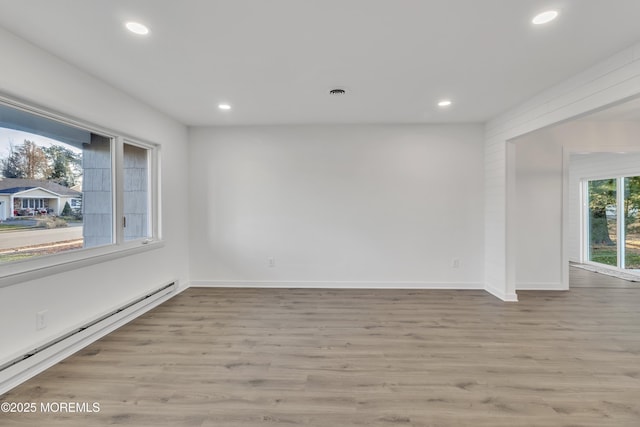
(541, 286)
(20, 372)
(501, 294)
(334, 284)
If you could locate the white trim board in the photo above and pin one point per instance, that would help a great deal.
(22, 371)
(498, 293)
(335, 285)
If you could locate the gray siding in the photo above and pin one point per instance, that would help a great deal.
(136, 197)
(97, 203)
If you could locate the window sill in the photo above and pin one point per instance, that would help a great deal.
(39, 268)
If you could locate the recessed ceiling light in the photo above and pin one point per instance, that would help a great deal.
(137, 28)
(224, 106)
(445, 103)
(544, 17)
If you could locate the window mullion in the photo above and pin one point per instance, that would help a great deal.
(621, 225)
(585, 253)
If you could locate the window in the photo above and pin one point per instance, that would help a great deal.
(631, 208)
(33, 203)
(97, 191)
(603, 221)
(136, 166)
(612, 226)
(71, 190)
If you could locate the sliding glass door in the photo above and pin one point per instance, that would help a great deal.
(603, 221)
(613, 222)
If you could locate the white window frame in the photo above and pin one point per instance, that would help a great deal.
(152, 195)
(42, 266)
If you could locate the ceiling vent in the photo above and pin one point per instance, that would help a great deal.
(337, 92)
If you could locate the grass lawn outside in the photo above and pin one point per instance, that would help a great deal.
(13, 227)
(609, 255)
(45, 249)
(31, 223)
(15, 256)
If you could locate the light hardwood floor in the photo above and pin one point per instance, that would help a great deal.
(278, 357)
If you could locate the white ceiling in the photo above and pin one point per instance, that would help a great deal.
(274, 61)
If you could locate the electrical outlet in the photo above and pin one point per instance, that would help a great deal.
(41, 320)
(271, 261)
(455, 262)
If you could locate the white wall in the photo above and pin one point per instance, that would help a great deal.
(72, 298)
(538, 205)
(538, 212)
(337, 205)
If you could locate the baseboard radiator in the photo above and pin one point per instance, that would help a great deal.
(109, 319)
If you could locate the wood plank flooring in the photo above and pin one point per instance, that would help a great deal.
(286, 357)
(581, 278)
